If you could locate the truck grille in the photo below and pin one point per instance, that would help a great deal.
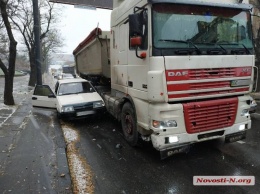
(210, 115)
(212, 73)
(186, 84)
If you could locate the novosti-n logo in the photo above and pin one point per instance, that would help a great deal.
(223, 180)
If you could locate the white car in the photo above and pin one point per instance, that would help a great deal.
(73, 98)
(65, 76)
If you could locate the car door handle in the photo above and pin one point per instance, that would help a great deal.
(34, 98)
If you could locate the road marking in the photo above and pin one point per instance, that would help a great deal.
(99, 146)
(7, 115)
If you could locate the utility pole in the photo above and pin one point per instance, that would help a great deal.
(37, 41)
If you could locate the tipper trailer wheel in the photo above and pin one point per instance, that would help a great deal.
(129, 127)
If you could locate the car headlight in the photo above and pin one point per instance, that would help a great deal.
(163, 124)
(67, 109)
(98, 104)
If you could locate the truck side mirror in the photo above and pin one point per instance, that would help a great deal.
(136, 41)
(135, 25)
(138, 31)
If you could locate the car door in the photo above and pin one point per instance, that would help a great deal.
(43, 96)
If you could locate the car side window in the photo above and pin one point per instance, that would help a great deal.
(42, 90)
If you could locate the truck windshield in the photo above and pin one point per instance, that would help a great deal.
(184, 28)
(75, 88)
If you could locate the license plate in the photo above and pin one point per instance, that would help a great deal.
(85, 113)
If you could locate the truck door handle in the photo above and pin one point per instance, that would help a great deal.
(34, 98)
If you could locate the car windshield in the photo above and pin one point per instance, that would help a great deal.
(200, 27)
(67, 76)
(75, 88)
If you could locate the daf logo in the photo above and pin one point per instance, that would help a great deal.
(246, 70)
(178, 73)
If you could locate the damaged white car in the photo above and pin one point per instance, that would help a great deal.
(73, 98)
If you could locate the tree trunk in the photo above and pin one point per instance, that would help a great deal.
(9, 74)
(8, 88)
(33, 74)
(8, 93)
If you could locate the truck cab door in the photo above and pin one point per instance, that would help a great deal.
(44, 97)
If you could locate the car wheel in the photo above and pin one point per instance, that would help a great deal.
(129, 125)
(58, 115)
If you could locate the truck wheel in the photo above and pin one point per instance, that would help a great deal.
(129, 127)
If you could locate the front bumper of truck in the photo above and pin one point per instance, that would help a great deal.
(177, 143)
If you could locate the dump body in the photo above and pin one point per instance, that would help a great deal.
(92, 55)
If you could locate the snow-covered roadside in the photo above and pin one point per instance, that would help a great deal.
(20, 92)
(6, 112)
(80, 172)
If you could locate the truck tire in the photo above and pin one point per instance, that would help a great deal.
(129, 127)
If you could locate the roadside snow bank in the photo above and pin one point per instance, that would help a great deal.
(80, 171)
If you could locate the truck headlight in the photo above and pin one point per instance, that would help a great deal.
(163, 124)
(67, 109)
(98, 104)
(245, 112)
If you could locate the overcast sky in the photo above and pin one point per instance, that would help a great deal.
(77, 23)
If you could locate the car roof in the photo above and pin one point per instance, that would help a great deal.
(62, 81)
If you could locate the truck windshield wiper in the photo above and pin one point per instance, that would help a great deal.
(247, 50)
(182, 41)
(225, 51)
(237, 51)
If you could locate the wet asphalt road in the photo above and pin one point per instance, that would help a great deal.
(140, 170)
(32, 148)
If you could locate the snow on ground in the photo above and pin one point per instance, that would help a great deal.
(9, 110)
(79, 169)
(20, 93)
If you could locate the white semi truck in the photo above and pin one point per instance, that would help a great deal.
(181, 71)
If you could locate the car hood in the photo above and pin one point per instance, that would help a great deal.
(78, 98)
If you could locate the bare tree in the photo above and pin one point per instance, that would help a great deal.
(50, 44)
(10, 68)
(23, 20)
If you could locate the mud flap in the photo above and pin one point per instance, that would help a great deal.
(169, 152)
(235, 137)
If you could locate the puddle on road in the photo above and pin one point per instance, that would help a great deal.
(80, 171)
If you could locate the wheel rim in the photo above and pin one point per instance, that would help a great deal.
(129, 124)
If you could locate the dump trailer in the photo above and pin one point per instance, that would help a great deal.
(181, 71)
(92, 56)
